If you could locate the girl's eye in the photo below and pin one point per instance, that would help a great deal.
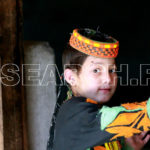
(112, 70)
(96, 70)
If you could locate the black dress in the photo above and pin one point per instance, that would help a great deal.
(81, 125)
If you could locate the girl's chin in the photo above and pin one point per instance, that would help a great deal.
(103, 99)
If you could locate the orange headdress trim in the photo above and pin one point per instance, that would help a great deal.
(94, 48)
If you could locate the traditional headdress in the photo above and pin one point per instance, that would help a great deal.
(93, 47)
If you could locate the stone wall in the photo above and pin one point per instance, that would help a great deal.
(39, 75)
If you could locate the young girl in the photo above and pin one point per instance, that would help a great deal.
(83, 121)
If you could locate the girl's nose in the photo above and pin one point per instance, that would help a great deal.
(106, 78)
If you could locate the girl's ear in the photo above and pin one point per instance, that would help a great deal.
(69, 76)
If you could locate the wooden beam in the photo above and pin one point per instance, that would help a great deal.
(11, 47)
(1, 121)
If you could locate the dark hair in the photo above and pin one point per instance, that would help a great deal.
(96, 35)
(73, 59)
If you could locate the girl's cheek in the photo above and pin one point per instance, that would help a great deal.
(115, 80)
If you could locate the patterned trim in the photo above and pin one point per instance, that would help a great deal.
(94, 48)
(91, 101)
(114, 145)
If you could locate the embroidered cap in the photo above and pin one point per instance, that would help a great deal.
(93, 47)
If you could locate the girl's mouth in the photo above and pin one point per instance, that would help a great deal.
(104, 90)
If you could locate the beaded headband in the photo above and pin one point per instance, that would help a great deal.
(92, 47)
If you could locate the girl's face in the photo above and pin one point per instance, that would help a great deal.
(97, 79)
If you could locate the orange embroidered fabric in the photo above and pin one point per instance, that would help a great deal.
(91, 101)
(94, 48)
(99, 148)
(127, 124)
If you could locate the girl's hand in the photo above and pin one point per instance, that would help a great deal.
(137, 142)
